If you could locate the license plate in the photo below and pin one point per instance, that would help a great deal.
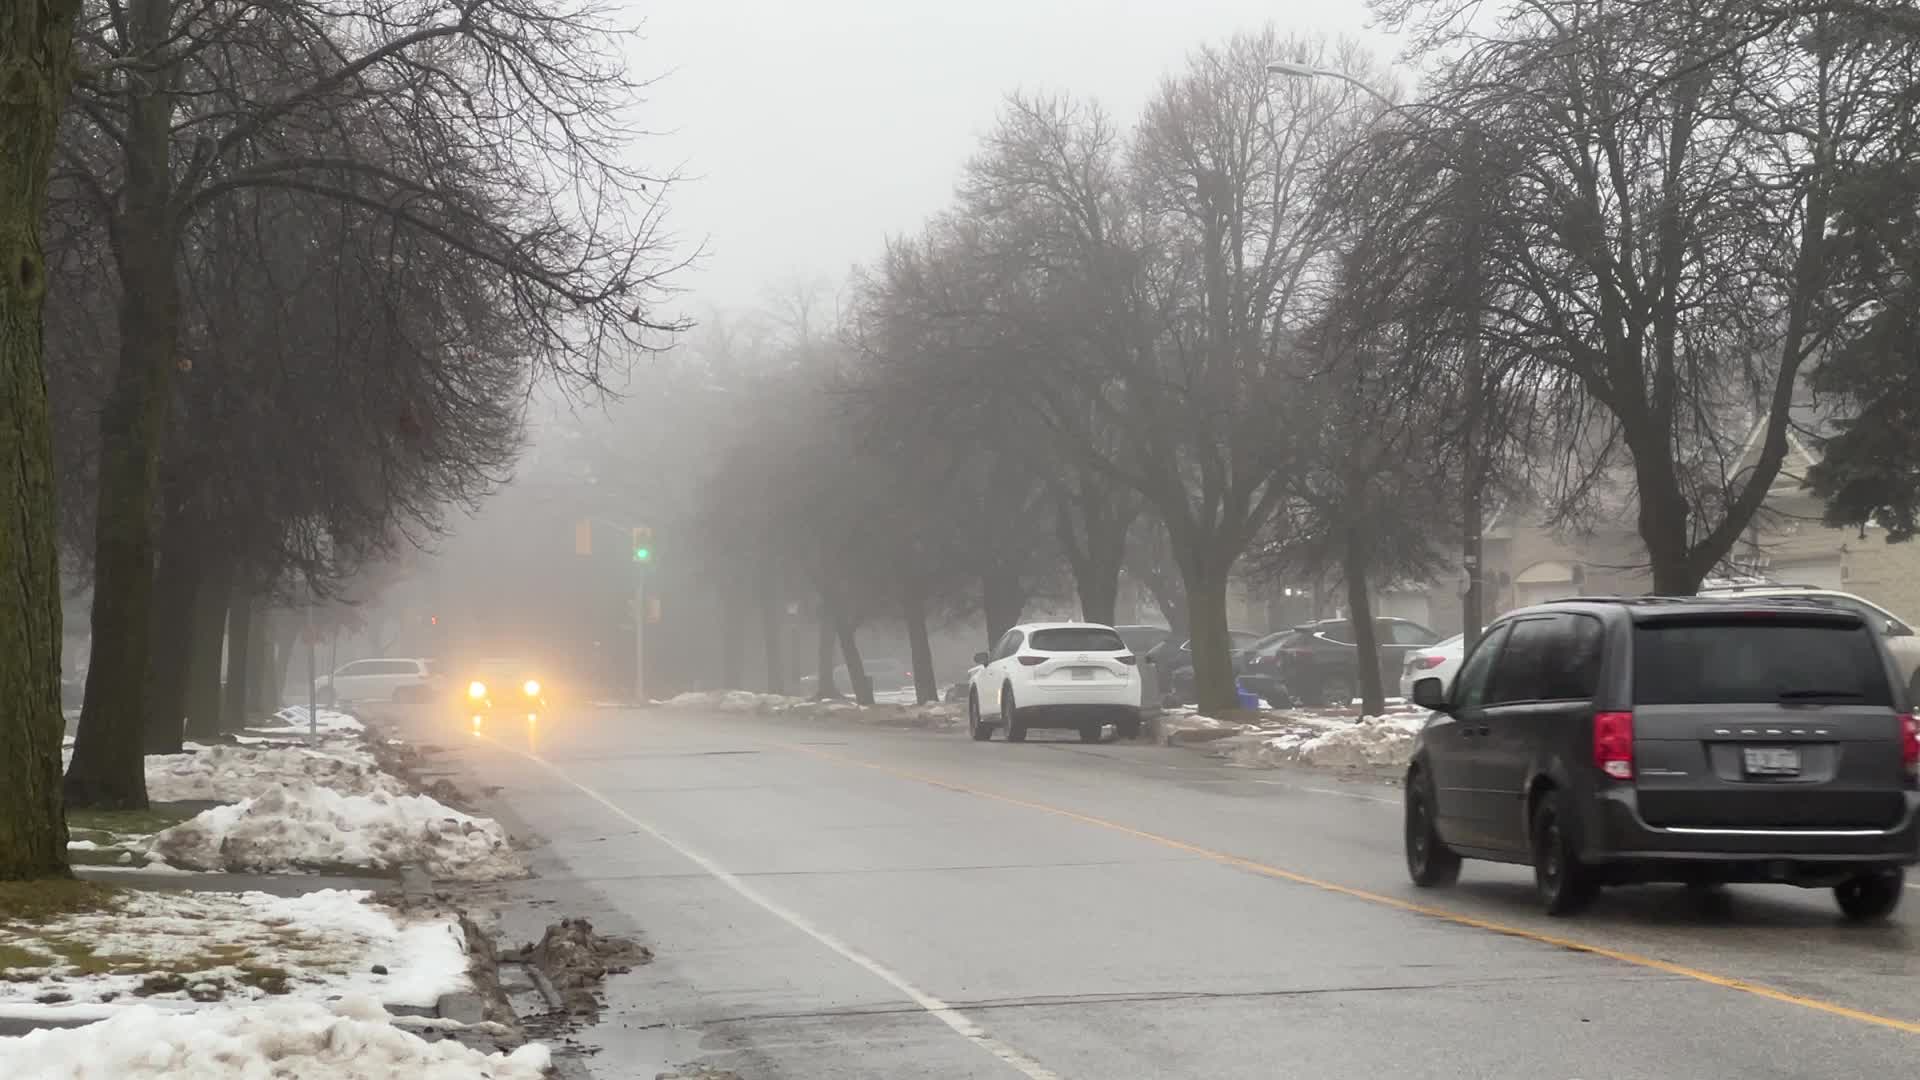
(1083, 673)
(1770, 761)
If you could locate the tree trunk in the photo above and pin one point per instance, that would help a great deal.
(772, 626)
(1097, 579)
(205, 637)
(733, 639)
(285, 637)
(913, 607)
(36, 66)
(263, 694)
(846, 630)
(824, 685)
(108, 770)
(1213, 678)
(235, 711)
(1003, 599)
(1373, 698)
(175, 591)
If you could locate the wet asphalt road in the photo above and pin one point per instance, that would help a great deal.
(835, 901)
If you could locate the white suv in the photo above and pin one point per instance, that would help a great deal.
(1901, 640)
(1077, 676)
(380, 680)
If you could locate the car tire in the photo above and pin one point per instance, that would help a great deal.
(1127, 725)
(1870, 897)
(981, 732)
(1430, 862)
(1565, 884)
(1338, 691)
(1010, 716)
(1092, 731)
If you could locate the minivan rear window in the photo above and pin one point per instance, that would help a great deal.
(1076, 639)
(1745, 661)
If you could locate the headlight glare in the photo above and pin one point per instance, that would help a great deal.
(476, 689)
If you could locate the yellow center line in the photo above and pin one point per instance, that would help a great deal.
(1637, 960)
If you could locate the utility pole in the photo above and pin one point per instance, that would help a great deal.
(640, 640)
(313, 680)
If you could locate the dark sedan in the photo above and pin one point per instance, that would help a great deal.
(1319, 663)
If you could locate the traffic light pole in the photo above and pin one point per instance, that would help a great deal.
(640, 640)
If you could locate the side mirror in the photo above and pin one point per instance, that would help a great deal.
(981, 658)
(1429, 693)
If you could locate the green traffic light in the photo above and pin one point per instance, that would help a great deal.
(642, 554)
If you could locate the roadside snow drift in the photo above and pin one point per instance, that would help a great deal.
(890, 713)
(327, 721)
(1369, 742)
(351, 1040)
(163, 945)
(303, 827)
(228, 773)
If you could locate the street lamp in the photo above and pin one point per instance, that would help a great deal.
(1472, 512)
(1293, 70)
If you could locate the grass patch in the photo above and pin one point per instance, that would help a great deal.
(126, 822)
(38, 901)
(13, 957)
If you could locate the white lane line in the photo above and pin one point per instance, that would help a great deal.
(939, 1009)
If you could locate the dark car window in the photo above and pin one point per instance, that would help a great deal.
(1746, 660)
(1142, 639)
(1077, 639)
(1340, 630)
(1009, 645)
(1470, 687)
(1520, 672)
(1572, 670)
(1401, 632)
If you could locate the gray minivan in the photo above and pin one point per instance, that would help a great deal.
(1612, 741)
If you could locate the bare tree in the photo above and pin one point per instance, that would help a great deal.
(36, 68)
(493, 126)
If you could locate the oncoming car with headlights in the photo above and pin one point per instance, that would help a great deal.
(513, 687)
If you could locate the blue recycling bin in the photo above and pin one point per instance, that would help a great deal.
(1248, 699)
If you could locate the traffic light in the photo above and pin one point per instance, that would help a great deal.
(642, 544)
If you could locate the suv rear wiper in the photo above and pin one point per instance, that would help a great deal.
(1798, 695)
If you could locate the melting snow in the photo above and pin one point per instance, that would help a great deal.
(351, 1040)
(301, 826)
(227, 773)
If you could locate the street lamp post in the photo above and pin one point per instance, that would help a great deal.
(1472, 600)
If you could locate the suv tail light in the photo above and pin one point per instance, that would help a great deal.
(1613, 744)
(1128, 659)
(1910, 748)
(1424, 662)
(1033, 661)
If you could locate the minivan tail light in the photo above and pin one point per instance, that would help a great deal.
(1033, 661)
(1910, 747)
(1613, 744)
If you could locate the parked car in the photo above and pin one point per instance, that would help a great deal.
(381, 679)
(887, 676)
(1176, 665)
(1437, 661)
(1902, 642)
(1657, 739)
(1078, 676)
(1319, 663)
(1143, 639)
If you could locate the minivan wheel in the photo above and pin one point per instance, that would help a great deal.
(1010, 717)
(1870, 896)
(1564, 883)
(1430, 862)
(980, 732)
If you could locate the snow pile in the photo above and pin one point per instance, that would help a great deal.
(329, 721)
(167, 945)
(227, 773)
(892, 712)
(1371, 742)
(306, 827)
(351, 1040)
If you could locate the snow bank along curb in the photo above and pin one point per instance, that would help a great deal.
(170, 947)
(304, 827)
(935, 716)
(1367, 743)
(353, 1039)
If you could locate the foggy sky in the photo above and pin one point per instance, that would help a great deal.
(813, 129)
